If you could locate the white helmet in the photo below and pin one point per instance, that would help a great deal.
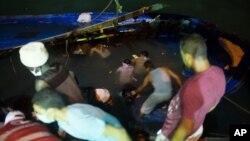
(33, 54)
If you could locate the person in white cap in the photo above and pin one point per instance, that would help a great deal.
(17, 128)
(35, 57)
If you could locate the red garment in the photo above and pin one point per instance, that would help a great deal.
(195, 99)
(25, 131)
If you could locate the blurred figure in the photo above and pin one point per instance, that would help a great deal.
(99, 97)
(19, 103)
(138, 62)
(198, 96)
(81, 48)
(81, 121)
(125, 73)
(35, 57)
(101, 50)
(234, 51)
(16, 128)
(161, 81)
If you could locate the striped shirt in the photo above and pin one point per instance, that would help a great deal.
(25, 131)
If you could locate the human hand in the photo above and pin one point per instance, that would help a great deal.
(61, 133)
(161, 137)
(192, 139)
(133, 93)
(196, 135)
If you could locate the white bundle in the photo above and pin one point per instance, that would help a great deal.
(84, 17)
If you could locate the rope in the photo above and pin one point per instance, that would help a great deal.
(12, 64)
(67, 53)
(237, 105)
(108, 5)
(66, 47)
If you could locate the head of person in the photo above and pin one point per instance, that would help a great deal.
(46, 103)
(144, 54)
(193, 50)
(148, 65)
(102, 95)
(96, 96)
(14, 115)
(126, 62)
(34, 55)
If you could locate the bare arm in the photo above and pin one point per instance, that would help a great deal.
(146, 81)
(40, 84)
(133, 78)
(183, 130)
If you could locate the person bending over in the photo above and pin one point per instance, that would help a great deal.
(82, 121)
(160, 78)
(35, 57)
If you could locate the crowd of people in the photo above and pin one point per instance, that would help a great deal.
(81, 113)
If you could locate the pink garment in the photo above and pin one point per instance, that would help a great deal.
(125, 73)
(195, 99)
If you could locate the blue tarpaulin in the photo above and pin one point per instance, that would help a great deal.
(19, 30)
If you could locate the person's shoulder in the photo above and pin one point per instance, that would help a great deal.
(75, 109)
(156, 70)
(80, 106)
(212, 73)
(131, 67)
(82, 110)
(217, 69)
(119, 68)
(75, 106)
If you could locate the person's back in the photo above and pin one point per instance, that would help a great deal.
(200, 94)
(139, 63)
(161, 81)
(125, 72)
(87, 116)
(208, 88)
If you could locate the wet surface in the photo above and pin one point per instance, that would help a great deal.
(97, 72)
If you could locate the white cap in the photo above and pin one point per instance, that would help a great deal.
(14, 115)
(33, 54)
